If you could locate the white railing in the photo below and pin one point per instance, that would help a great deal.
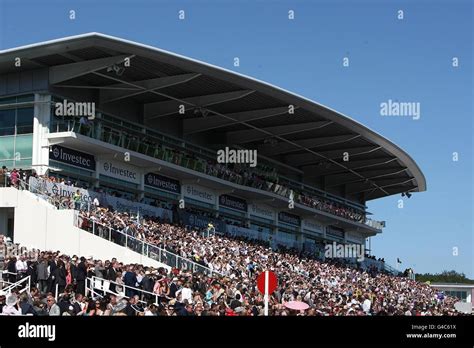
(11, 286)
(95, 285)
(144, 248)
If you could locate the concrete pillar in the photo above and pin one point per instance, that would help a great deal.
(41, 121)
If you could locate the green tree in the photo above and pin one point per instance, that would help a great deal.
(445, 277)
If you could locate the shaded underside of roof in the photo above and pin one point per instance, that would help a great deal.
(326, 146)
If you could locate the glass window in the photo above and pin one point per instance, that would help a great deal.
(24, 121)
(10, 100)
(25, 98)
(7, 148)
(24, 147)
(7, 122)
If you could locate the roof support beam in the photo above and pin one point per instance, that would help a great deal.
(383, 184)
(251, 135)
(338, 179)
(198, 124)
(109, 96)
(283, 147)
(160, 109)
(315, 170)
(61, 73)
(304, 158)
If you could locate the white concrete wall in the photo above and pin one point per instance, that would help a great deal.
(39, 225)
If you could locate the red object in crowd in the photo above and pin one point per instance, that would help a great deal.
(272, 282)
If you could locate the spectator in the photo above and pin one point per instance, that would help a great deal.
(52, 308)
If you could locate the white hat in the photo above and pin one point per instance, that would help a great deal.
(11, 300)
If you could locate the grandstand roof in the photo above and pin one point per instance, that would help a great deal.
(247, 112)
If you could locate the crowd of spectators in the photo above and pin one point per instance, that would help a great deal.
(329, 288)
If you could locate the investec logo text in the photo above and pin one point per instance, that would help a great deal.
(71, 158)
(191, 191)
(110, 168)
(37, 331)
(232, 203)
(228, 155)
(66, 108)
(262, 211)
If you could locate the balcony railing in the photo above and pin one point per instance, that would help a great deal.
(161, 149)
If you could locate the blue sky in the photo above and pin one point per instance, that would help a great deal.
(408, 60)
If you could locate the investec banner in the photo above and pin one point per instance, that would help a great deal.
(289, 218)
(162, 183)
(233, 202)
(120, 204)
(72, 157)
(262, 211)
(312, 225)
(199, 193)
(119, 170)
(200, 221)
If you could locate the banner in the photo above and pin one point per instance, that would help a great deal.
(335, 232)
(162, 183)
(289, 218)
(233, 202)
(38, 185)
(262, 211)
(119, 170)
(72, 157)
(199, 193)
(312, 225)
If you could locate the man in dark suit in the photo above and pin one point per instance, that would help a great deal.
(52, 263)
(112, 276)
(81, 276)
(130, 279)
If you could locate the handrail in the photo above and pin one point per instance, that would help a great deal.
(149, 246)
(9, 288)
(93, 280)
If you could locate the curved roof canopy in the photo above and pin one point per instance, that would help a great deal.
(246, 112)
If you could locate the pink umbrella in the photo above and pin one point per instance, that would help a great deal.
(296, 305)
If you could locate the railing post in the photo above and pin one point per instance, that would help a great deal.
(126, 241)
(110, 233)
(93, 227)
(159, 254)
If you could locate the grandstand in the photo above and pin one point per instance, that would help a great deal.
(118, 144)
